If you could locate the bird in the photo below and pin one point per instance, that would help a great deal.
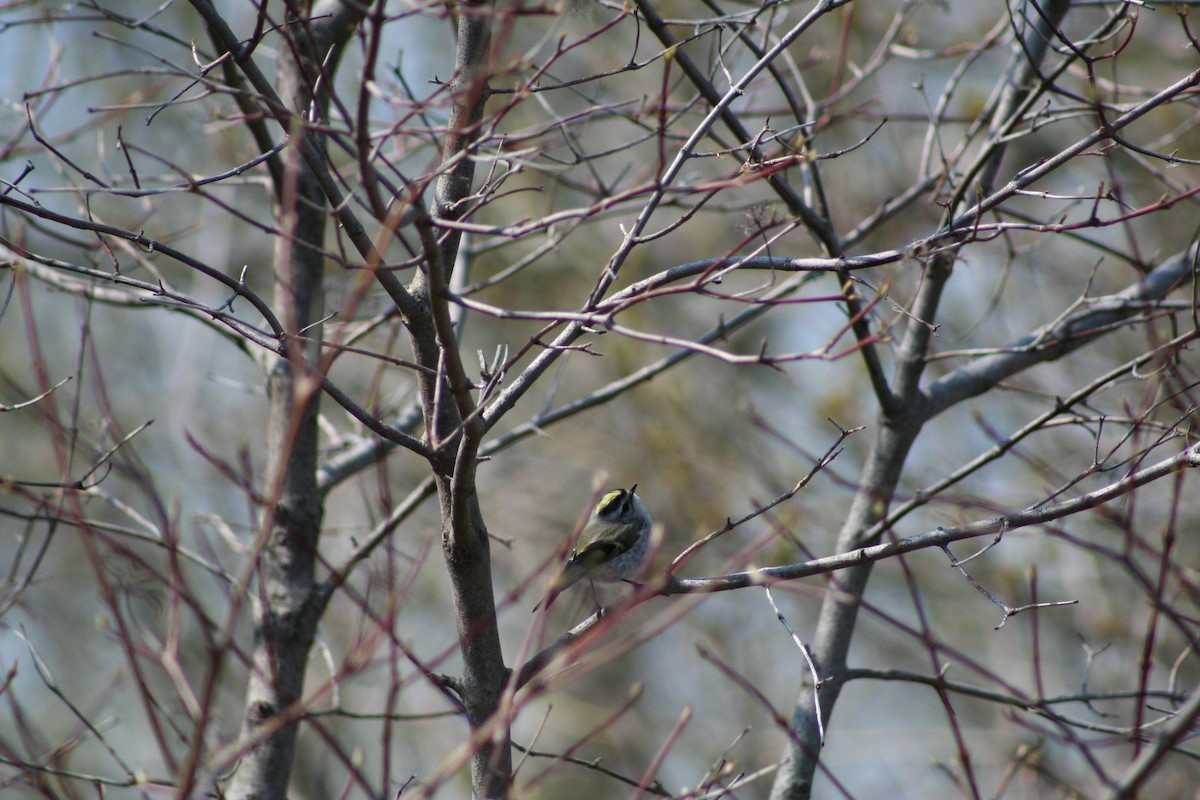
(614, 543)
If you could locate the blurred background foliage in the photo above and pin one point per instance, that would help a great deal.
(704, 442)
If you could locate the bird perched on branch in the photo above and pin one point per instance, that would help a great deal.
(613, 546)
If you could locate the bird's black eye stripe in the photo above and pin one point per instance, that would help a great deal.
(613, 502)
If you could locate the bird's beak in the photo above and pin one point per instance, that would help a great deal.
(634, 489)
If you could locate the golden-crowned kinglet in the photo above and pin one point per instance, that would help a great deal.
(612, 546)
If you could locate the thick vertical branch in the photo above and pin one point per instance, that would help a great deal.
(902, 416)
(287, 612)
(453, 426)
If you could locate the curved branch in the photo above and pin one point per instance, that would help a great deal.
(1188, 459)
(1059, 338)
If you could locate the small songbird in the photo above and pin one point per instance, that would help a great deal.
(613, 545)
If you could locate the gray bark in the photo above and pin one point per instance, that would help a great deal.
(288, 606)
(904, 410)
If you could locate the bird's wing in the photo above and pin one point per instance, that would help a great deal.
(600, 552)
(595, 554)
